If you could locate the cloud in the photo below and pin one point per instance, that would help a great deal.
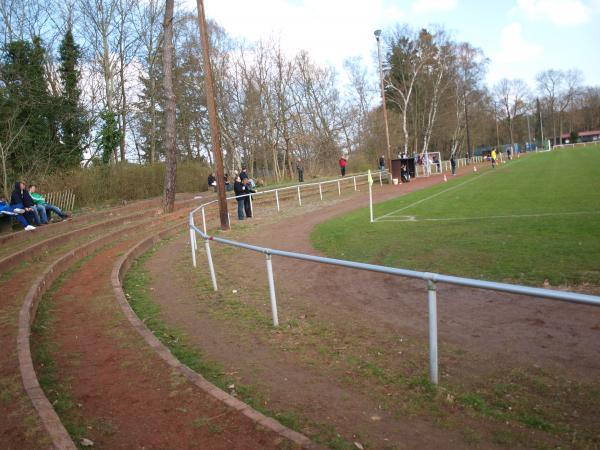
(329, 30)
(557, 12)
(423, 6)
(514, 48)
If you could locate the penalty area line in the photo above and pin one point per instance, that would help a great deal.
(507, 216)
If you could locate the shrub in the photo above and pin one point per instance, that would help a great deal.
(100, 185)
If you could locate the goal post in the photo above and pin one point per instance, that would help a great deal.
(428, 163)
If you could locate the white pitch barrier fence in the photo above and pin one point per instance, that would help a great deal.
(431, 279)
(577, 144)
(300, 192)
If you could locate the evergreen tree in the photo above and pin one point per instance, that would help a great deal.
(109, 137)
(73, 122)
(28, 106)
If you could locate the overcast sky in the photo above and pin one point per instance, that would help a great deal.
(521, 37)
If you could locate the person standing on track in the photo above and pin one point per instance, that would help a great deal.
(238, 188)
(300, 169)
(453, 164)
(343, 162)
(382, 163)
(494, 156)
(248, 189)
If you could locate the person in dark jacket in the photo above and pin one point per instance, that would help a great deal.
(239, 190)
(244, 174)
(453, 164)
(300, 169)
(20, 198)
(247, 200)
(227, 183)
(212, 182)
(381, 163)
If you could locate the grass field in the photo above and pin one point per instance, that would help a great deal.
(530, 220)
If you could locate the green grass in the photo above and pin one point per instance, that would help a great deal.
(563, 249)
(137, 284)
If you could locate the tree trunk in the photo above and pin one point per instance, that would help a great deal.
(170, 127)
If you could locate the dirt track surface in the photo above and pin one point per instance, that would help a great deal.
(497, 332)
(116, 390)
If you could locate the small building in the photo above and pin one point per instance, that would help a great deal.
(584, 136)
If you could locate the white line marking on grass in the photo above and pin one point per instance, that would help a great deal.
(430, 197)
(508, 216)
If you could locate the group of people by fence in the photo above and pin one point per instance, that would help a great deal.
(29, 207)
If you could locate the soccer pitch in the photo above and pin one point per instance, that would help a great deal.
(530, 220)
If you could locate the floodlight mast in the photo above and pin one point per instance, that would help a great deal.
(377, 34)
(213, 119)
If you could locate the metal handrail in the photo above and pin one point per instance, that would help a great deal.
(430, 278)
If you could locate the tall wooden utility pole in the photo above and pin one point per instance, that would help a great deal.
(170, 127)
(385, 117)
(212, 117)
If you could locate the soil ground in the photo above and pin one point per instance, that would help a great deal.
(100, 376)
(352, 348)
(123, 395)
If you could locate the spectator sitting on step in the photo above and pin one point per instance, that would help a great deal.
(7, 210)
(21, 199)
(45, 209)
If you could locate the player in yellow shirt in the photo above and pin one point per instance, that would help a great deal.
(494, 158)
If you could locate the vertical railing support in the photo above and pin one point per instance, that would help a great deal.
(272, 290)
(339, 189)
(354, 180)
(277, 199)
(320, 191)
(204, 221)
(251, 206)
(193, 245)
(433, 340)
(380, 181)
(299, 198)
(211, 267)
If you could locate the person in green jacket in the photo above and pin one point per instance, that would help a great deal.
(45, 209)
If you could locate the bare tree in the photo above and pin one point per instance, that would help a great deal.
(572, 80)
(405, 55)
(511, 96)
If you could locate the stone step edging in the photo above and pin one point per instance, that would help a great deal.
(119, 270)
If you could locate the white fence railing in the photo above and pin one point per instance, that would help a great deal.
(431, 279)
(577, 144)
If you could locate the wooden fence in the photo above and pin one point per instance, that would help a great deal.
(65, 200)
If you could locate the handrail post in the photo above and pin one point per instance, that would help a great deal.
(277, 199)
(299, 198)
(433, 340)
(272, 289)
(251, 206)
(339, 189)
(192, 239)
(204, 220)
(211, 267)
(320, 191)
(380, 182)
(354, 180)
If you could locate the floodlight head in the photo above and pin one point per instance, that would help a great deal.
(377, 33)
